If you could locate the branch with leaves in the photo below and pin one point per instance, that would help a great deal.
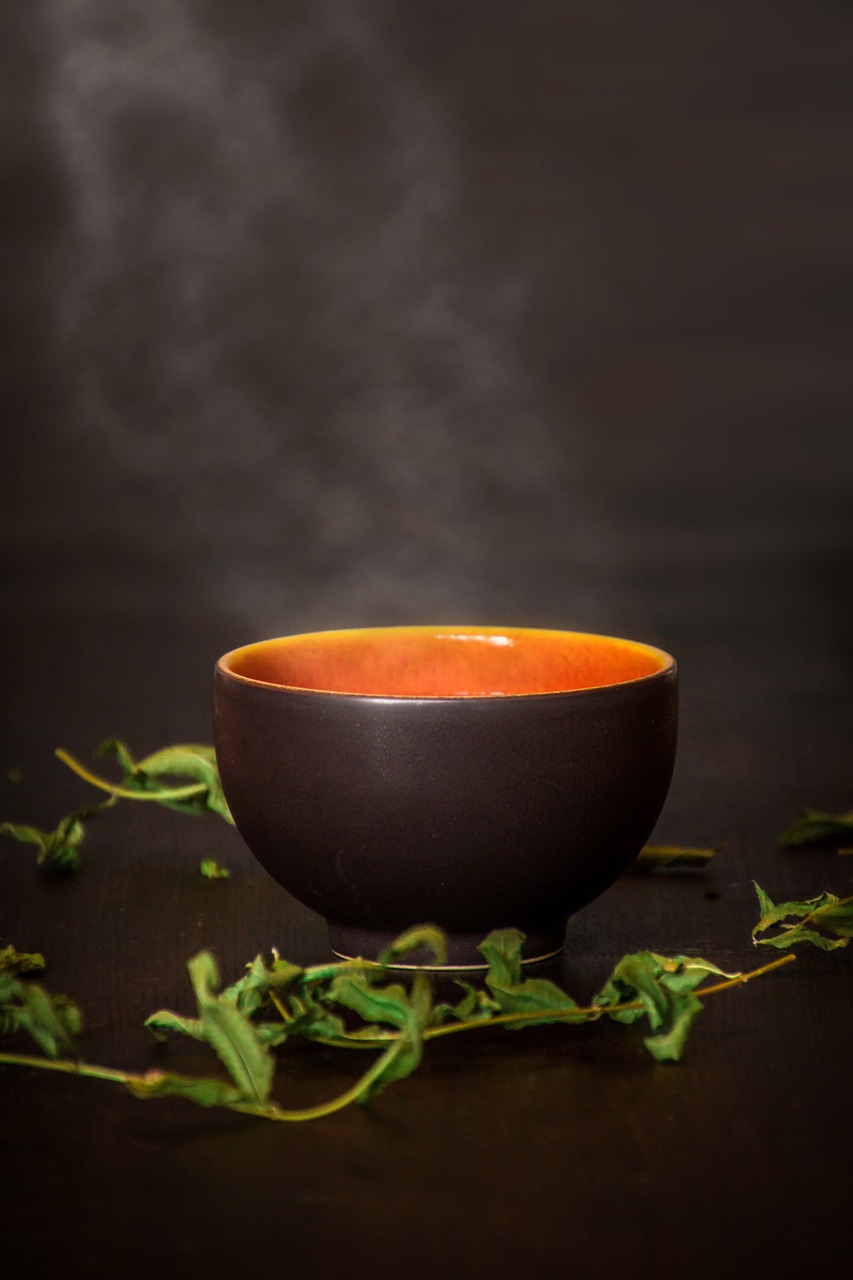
(826, 921)
(356, 1004)
(183, 777)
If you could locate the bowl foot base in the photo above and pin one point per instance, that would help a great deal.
(351, 943)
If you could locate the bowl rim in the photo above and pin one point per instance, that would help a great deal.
(668, 667)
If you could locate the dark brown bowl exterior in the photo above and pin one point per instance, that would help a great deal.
(470, 813)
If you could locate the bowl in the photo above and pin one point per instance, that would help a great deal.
(471, 777)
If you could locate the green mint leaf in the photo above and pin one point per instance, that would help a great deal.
(113, 749)
(250, 995)
(58, 850)
(661, 989)
(514, 994)
(311, 1019)
(685, 973)
(27, 835)
(814, 826)
(52, 1021)
(213, 869)
(359, 992)
(634, 982)
(667, 858)
(251, 992)
(205, 1093)
(184, 777)
(272, 1034)
(532, 995)
(475, 1005)
(194, 762)
(765, 904)
(12, 961)
(502, 949)
(825, 921)
(404, 1055)
(366, 993)
(9, 986)
(668, 1046)
(230, 1033)
(164, 1020)
(427, 936)
(509, 992)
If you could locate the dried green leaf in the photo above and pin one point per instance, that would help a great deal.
(113, 749)
(12, 961)
(195, 762)
(58, 849)
(184, 777)
(204, 1092)
(157, 774)
(502, 949)
(513, 994)
(685, 973)
(213, 869)
(476, 1005)
(52, 1021)
(280, 986)
(163, 1021)
(9, 985)
(366, 992)
(825, 921)
(307, 1016)
(359, 991)
(424, 936)
(272, 1034)
(814, 826)
(668, 1045)
(404, 1055)
(765, 903)
(250, 993)
(534, 994)
(661, 988)
(230, 1033)
(667, 858)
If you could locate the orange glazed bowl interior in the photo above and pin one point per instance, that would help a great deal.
(445, 662)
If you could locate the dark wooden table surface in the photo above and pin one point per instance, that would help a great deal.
(553, 1150)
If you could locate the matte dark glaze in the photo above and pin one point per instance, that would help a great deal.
(470, 813)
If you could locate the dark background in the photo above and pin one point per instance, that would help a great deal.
(337, 312)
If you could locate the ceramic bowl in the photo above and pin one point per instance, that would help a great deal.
(470, 777)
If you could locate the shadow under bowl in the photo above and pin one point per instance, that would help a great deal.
(469, 777)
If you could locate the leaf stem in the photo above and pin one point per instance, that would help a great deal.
(275, 1112)
(69, 1066)
(269, 1111)
(127, 793)
(592, 1012)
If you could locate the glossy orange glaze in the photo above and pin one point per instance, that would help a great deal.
(445, 662)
